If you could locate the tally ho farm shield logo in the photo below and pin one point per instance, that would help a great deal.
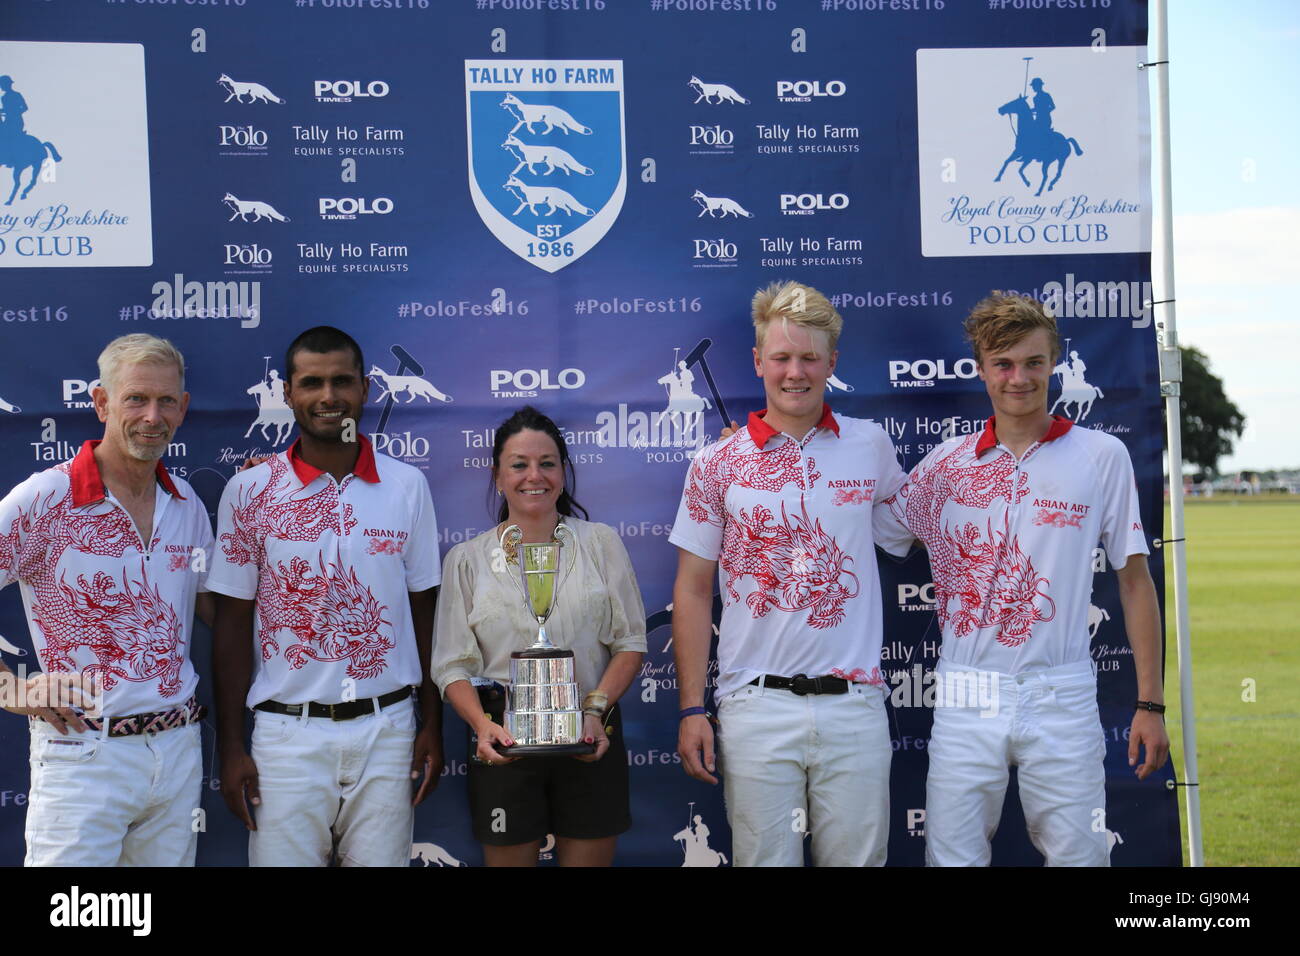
(547, 167)
(1027, 151)
(74, 155)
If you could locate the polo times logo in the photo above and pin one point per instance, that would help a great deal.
(926, 373)
(351, 207)
(806, 91)
(810, 204)
(530, 382)
(345, 91)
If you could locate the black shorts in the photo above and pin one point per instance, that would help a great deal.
(523, 801)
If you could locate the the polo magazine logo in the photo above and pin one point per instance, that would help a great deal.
(1032, 150)
(62, 206)
(530, 121)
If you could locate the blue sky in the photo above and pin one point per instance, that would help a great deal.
(1234, 98)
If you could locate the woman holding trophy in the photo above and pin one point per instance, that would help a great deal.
(546, 604)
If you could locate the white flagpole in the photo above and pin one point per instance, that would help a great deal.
(1171, 377)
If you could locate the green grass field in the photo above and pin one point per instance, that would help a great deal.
(1243, 562)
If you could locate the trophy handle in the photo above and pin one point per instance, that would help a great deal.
(568, 542)
(515, 535)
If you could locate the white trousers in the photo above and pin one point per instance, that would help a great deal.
(1046, 724)
(814, 766)
(114, 801)
(331, 785)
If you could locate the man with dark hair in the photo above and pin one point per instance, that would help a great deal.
(328, 553)
(322, 339)
(1010, 518)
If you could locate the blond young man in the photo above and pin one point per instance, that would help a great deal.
(110, 552)
(780, 512)
(1010, 518)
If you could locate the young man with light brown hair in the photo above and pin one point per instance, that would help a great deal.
(1011, 518)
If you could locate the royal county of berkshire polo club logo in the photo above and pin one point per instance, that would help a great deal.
(547, 155)
(61, 203)
(1032, 151)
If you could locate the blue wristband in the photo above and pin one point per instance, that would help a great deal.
(692, 712)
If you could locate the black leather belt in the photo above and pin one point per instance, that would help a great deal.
(345, 711)
(802, 684)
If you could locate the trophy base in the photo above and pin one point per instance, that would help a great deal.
(547, 750)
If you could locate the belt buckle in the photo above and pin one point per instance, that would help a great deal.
(332, 714)
(796, 688)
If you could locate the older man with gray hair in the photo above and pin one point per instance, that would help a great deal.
(110, 552)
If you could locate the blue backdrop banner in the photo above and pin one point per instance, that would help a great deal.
(569, 203)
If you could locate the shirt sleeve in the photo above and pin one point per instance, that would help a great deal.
(627, 611)
(1121, 528)
(238, 547)
(887, 527)
(702, 511)
(423, 568)
(456, 654)
(17, 511)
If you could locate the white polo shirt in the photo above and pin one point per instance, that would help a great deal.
(1011, 541)
(789, 524)
(99, 600)
(329, 564)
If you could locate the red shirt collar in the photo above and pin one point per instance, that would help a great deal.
(88, 486)
(363, 469)
(989, 438)
(760, 431)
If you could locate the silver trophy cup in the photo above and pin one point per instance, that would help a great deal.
(543, 710)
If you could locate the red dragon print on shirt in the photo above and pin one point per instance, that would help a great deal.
(331, 614)
(853, 496)
(133, 633)
(740, 463)
(981, 577)
(385, 546)
(796, 565)
(1058, 519)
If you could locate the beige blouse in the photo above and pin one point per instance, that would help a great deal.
(481, 616)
